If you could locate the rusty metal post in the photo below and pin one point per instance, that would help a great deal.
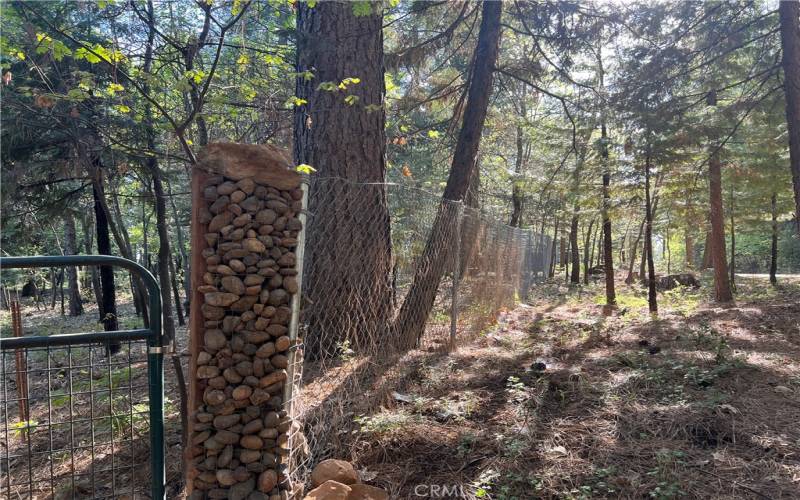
(22, 365)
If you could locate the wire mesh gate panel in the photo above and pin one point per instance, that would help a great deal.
(78, 422)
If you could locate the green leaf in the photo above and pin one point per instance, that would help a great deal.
(362, 8)
(78, 94)
(305, 169)
(295, 101)
(327, 86)
(83, 53)
(351, 99)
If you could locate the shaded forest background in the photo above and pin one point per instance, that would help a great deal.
(649, 136)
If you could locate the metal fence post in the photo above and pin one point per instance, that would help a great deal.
(456, 273)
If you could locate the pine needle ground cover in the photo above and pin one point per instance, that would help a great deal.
(560, 401)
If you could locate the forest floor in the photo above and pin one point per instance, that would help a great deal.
(559, 400)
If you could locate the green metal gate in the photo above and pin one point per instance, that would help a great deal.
(76, 421)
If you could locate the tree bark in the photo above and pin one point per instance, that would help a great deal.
(574, 251)
(516, 187)
(88, 231)
(722, 285)
(707, 253)
(176, 293)
(430, 267)
(608, 251)
(553, 249)
(71, 248)
(185, 261)
(732, 265)
(587, 242)
(773, 261)
(349, 251)
(164, 253)
(652, 301)
(122, 238)
(688, 237)
(108, 311)
(789, 12)
(634, 249)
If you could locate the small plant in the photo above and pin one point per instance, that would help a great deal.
(22, 428)
(466, 443)
(383, 422)
(668, 485)
(344, 351)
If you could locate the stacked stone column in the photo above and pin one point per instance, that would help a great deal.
(246, 235)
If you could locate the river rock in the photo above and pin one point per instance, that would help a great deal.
(267, 480)
(330, 490)
(333, 469)
(221, 299)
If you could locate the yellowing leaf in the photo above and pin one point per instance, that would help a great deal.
(433, 134)
(122, 108)
(295, 101)
(305, 169)
(113, 88)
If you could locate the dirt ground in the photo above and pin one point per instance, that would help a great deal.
(559, 400)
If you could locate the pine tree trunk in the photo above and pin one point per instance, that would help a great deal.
(608, 250)
(773, 261)
(732, 265)
(634, 249)
(108, 313)
(652, 301)
(176, 292)
(707, 253)
(71, 248)
(349, 253)
(553, 249)
(688, 237)
(185, 261)
(790, 42)
(516, 188)
(575, 257)
(164, 253)
(88, 243)
(419, 301)
(722, 285)
(588, 240)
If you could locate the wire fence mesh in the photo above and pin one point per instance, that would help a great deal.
(394, 276)
(75, 422)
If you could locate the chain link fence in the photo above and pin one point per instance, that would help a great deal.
(394, 277)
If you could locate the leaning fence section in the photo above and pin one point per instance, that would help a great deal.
(394, 277)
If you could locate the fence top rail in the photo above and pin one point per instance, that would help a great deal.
(152, 334)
